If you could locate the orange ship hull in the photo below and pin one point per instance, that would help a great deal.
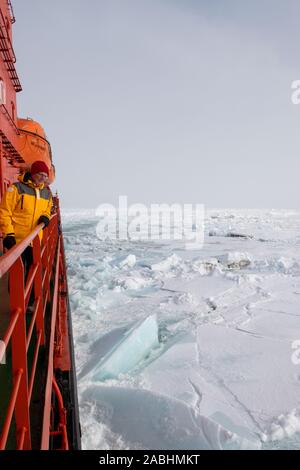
(38, 393)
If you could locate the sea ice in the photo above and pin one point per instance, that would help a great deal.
(134, 347)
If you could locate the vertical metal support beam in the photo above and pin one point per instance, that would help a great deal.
(49, 382)
(38, 290)
(1, 170)
(48, 266)
(19, 352)
(1, 183)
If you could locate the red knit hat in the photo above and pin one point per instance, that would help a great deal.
(39, 167)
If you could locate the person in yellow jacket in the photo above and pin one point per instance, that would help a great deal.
(25, 204)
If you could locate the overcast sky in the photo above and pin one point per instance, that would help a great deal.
(165, 100)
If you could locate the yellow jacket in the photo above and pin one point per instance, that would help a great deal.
(21, 207)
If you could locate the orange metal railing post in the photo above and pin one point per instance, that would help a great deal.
(19, 336)
(46, 243)
(38, 289)
(48, 390)
(62, 427)
(19, 352)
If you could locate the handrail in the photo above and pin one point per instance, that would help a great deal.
(62, 428)
(16, 332)
(13, 399)
(9, 118)
(12, 16)
(8, 54)
(49, 384)
(11, 256)
(35, 359)
(6, 38)
(45, 281)
(10, 328)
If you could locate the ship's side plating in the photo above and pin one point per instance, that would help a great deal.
(38, 393)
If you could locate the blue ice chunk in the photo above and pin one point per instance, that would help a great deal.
(133, 348)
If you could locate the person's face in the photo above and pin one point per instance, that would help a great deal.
(40, 178)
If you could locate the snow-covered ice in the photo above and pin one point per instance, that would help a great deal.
(188, 349)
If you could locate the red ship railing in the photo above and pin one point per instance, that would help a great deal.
(9, 118)
(19, 336)
(8, 54)
(12, 16)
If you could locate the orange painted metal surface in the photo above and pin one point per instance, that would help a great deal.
(46, 329)
(62, 358)
(62, 427)
(16, 334)
(33, 145)
(20, 398)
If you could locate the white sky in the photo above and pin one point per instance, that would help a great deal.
(165, 100)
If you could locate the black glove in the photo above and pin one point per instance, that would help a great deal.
(9, 241)
(44, 220)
